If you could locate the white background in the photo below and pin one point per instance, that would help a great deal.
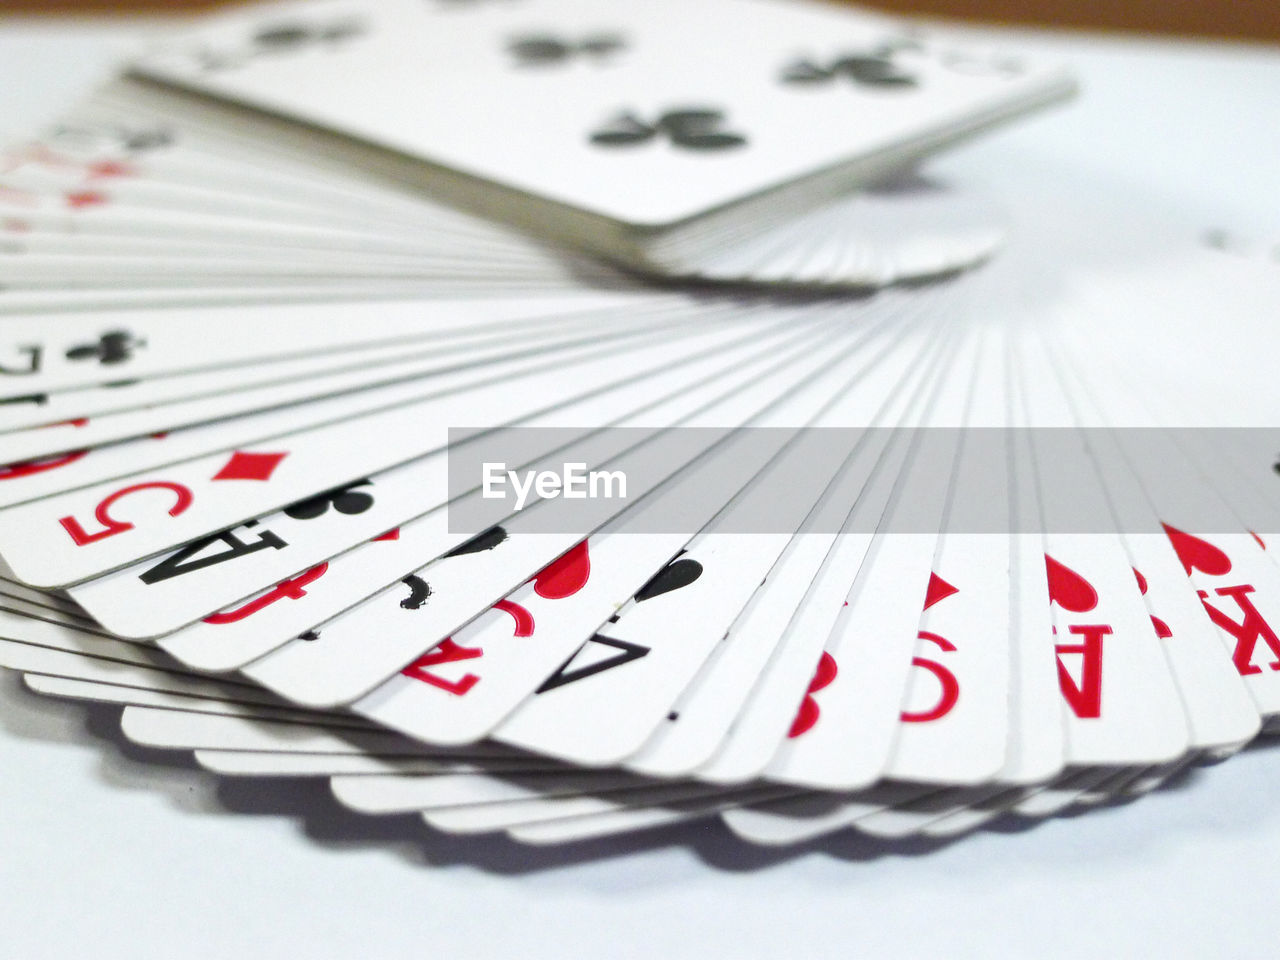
(107, 851)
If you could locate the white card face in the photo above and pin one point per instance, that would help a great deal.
(387, 376)
(339, 666)
(1122, 705)
(135, 603)
(128, 189)
(663, 639)
(847, 722)
(1220, 710)
(243, 418)
(198, 497)
(700, 720)
(557, 623)
(812, 754)
(133, 395)
(1239, 588)
(1232, 573)
(783, 702)
(1036, 746)
(953, 724)
(92, 348)
(667, 634)
(49, 647)
(679, 629)
(589, 99)
(26, 303)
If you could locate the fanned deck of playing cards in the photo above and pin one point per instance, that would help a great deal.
(567, 418)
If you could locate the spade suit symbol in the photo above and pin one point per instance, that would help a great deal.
(677, 574)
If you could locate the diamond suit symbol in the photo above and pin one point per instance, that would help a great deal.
(249, 466)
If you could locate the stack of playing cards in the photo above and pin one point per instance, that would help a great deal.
(565, 418)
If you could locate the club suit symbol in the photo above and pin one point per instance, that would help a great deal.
(292, 35)
(346, 500)
(538, 50)
(115, 346)
(279, 38)
(876, 69)
(691, 128)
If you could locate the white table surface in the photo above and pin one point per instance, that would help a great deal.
(110, 852)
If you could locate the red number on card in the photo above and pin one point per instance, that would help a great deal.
(809, 710)
(950, 686)
(111, 526)
(446, 652)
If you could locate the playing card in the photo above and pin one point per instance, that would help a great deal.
(795, 669)
(1219, 710)
(130, 395)
(1137, 715)
(906, 227)
(339, 667)
(868, 695)
(392, 499)
(731, 566)
(404, 367)
(98, 348)
(662, 107)
(228, 489)
(965, 529)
